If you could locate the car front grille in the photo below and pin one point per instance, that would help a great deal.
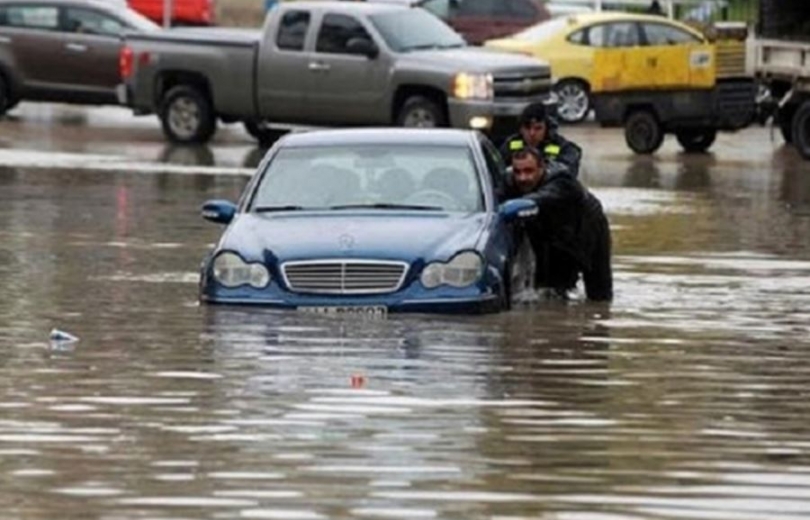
(344, 276)
(521, 84)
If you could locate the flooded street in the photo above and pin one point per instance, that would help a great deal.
(686, 398)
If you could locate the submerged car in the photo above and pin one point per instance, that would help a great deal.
(367, 221)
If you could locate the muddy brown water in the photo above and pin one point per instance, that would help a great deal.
(686, 398)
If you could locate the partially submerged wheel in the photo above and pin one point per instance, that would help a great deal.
(574, 100)
(263, 132)
(642, 132)
(696, 140)
(801, 130)
(187, 116)
(421, 112)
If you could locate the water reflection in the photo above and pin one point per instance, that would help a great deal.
(254, 157)
(189, 155)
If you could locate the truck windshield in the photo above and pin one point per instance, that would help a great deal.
(415, 29)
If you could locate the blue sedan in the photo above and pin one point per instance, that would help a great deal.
(367, 221)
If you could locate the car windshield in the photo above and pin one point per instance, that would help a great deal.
(542, 31)
(415, 29)
(412, 177)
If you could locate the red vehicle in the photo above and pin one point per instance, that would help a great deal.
(481, 20)
(184, 12)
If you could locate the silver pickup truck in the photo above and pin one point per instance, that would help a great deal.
(326, 63)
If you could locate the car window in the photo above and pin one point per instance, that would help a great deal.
(292, 30)
(619, 34)
(660, 34)
(480, 8)
(440, 8)
(577, 37)
(522, 9)
(336, 31)
(443, 177)
(415, 29)
(85, 21)
(33, 17)
(496, 167)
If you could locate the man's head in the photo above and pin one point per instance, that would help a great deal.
(528, 169)
(534, 124)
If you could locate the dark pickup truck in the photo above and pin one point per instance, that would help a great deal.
(322, 63)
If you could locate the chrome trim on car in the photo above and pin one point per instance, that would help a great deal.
(335, 276)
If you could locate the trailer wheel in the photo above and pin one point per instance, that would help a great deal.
(696, 141)
(187, 115)
(801, 130)
(642, 132)
(262, 132)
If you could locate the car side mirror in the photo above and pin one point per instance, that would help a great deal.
(517, 209)
(219, 211)
(362, 47)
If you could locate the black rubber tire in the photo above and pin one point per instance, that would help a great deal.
(429, 107)
(199, 131)
(801, 130)
(578, 84)
(643, 133)
(696, 141)
(598, 280)
(784, 119)
(265, 135)
(5, 96)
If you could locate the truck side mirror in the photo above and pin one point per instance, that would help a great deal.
(362, 47)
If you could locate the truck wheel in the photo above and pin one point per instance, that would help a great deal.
(801, 130)
(643, 133)
(187, 115)
(5, 96)
(262, 132)
(421, 112)
(574, 100)
(785, 120)
(696, 141)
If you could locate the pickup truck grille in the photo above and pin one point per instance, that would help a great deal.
(521, 84)
(344, 276)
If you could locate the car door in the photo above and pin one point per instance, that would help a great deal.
(343, 87)
(677, 58)
(283, 76)
(92, 43)
(30, 33)
(618, 63)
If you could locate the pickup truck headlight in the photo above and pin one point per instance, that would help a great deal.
(231, 271)
(462, 270)
(473, 86)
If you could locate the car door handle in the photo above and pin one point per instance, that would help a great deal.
(76, 47)
(316, 66)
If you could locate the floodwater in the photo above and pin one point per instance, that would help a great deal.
(687, 398)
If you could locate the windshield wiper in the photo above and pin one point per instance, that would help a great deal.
(385, 205)
(270, 209)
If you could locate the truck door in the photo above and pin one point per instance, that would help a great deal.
(618, 64)
(30, 33)
(345, 88)
(677, 58)
(282, 75)
(92, 43)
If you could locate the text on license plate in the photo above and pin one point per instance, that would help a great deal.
(371, 311)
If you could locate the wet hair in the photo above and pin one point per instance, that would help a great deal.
(529, 151)
(533, 113)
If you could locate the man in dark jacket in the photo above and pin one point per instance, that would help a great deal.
(570, 235)
(539, 131)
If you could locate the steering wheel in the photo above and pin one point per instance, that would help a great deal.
(432, 198)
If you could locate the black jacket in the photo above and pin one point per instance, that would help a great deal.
(570, 236)
(555, 147)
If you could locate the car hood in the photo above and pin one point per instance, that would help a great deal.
(373, 234)
(477, 59)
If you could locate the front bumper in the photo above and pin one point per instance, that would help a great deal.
(498, 117)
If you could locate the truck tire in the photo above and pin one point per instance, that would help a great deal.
(5, 96)
(262, 132)
(801, 130)
(697, 140)
(784, 119)
(574, 100)
(421, 112)
(187, 115)
(642, 132)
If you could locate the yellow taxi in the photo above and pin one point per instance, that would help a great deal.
(592, 53)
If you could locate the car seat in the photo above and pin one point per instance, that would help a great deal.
(450, 181)
(395, 185)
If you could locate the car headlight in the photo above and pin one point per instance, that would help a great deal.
(473, 86)
(462, 270)
(231, 271)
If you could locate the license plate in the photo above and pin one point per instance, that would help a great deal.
(364, 311)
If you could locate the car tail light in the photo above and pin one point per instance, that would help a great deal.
(125, 62)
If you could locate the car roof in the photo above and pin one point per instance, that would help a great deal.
(110, 5)
(344, 6)
(609, 16)
(378, 136)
